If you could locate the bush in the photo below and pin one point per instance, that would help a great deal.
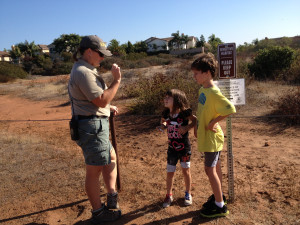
(42, 65)
(60, 68)
(269, 63)
(150, 91)
(10, 72)
(290, 105)
(293, 74)
(67, 56)
(135, 56)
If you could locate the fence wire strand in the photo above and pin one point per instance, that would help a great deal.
(120, 116)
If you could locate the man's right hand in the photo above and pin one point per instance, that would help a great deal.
(116, 72)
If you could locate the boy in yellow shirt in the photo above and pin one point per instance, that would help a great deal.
(212, 108)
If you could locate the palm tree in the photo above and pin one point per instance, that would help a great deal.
(184, 39)
(176, 40)
(28, 49)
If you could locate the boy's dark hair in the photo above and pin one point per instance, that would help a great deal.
(179, 100)
(206, 62)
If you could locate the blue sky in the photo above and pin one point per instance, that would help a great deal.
(236, 21)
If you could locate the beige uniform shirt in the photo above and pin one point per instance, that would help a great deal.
(85, 85)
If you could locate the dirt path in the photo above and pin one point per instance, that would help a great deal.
(42, 171)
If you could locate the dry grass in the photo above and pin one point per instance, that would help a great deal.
(38, 88)
(42, 171)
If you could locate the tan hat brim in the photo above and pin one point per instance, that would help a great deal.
(106, 52)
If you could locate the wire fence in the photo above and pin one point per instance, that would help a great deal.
(120, 116)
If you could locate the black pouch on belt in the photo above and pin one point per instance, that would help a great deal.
(74, 129)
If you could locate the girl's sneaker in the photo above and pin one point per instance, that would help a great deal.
(168, 200)
(188, 200)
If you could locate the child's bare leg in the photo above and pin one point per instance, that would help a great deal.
(215, 182)
(170, 176)
(219, 171)
(187, 179)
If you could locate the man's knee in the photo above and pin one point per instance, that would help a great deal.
(113, 155)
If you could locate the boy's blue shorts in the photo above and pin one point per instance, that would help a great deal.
(94, 141)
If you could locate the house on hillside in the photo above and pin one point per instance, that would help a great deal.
(162, 44)
(5, 57)
(157, 44)
(192, 42)
(44, 49)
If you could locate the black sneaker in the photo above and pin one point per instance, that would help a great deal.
(112, 201)
(214, 211)
(105, 215)
(211, 200)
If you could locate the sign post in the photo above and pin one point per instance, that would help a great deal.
(227, 70)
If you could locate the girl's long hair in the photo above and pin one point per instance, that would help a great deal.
(179, 101)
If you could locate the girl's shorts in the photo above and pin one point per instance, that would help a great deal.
(183, 156)
(94, 141)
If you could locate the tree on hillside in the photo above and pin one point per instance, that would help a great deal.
(201, 42)
(214, 42)
(24, 49)
(66, 43)
(15, 52)
(115, 48)
(140, 46)
(26, 53)
(176, 40)
(129, 48)
(184, 39)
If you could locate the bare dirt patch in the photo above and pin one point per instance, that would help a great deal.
(42, 170)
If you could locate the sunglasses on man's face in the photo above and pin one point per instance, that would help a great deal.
(100, 54)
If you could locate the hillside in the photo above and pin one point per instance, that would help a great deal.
(42, 170)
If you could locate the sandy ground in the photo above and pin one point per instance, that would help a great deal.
(42, 170)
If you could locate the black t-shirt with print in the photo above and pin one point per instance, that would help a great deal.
(177, 141)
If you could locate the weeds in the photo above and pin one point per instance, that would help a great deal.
(150, 91)
(290, 105)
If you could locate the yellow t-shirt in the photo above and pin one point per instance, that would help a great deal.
(211, 104)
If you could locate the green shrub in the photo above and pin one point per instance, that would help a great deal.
(135, 56)
(270, 63)
(42, 65)
(293, 74)
(60, 68)
(10, 72)
(67, 56)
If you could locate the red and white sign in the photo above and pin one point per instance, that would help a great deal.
(227, 60)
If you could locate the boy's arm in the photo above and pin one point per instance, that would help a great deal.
(184, 129)
(213, 124)
(195, 129)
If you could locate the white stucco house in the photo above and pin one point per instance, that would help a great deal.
(157, 44)
(5, 57)
(44, 49)
(161, 44)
